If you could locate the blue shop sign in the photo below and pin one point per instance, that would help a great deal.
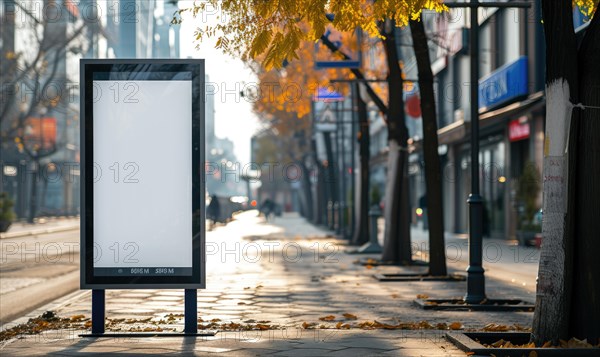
(506, 83)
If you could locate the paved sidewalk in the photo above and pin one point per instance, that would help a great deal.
(289, 283)
(41, 226)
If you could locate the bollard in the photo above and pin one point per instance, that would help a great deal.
(336, 217)
(372, 247)
(330, 214)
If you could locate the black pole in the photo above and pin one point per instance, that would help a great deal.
(98, 311)
(330, 181)
(191, 311)
(475, 273)
(340, 167)
(343, 175)
(354, 106)
(336, 205)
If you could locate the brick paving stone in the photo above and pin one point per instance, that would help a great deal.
(357, 351)
(166, 298)
(237, 296)
(300, 352)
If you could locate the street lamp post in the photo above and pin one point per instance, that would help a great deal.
(475, 272)
(475, 278)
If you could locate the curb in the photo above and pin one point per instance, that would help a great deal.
(52, 290)
(37, 232)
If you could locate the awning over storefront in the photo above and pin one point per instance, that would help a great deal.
(458, 130)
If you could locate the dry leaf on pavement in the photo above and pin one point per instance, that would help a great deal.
(495, 327)
(307, 325)
(350, 316)
(327, 318)
(456, 326)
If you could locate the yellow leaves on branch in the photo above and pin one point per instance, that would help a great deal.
(285, 96)
(587, 7)
(275, 28)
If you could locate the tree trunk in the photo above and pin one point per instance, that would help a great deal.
(553, 297)
(433, 174)
(361, 229)
(396, 247)
(585, 301)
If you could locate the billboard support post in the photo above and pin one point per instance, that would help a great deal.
(191, 311)
(98, 311)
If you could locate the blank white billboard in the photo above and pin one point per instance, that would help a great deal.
(142, 190)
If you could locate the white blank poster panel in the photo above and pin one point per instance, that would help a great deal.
(143, 174)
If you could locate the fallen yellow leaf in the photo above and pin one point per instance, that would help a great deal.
(327, 318)
(456, 326)
(307, 325)
(341, 325)
(422, 296)
(350, 316)
(76, 318)
(495, 327)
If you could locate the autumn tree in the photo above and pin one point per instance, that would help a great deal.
(568, 299)
(283, 102)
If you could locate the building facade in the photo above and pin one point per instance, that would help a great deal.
(511, 114)
(42, 42)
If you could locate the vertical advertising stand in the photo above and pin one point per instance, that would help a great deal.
(142, 193)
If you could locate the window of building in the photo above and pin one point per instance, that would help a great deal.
(485, 49)
(509, 36)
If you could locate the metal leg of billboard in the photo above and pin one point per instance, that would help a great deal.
(191, 312)
(98, 311)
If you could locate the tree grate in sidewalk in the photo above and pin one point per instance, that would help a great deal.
(418, 277)
(475, 343)
(486, 305)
